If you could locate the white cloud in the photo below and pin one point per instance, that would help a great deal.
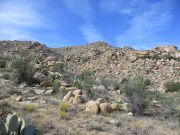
(16, 17)
(84, 9)
(146, 20)
(81, 8)
(91, 33)
(145, 27)
(122, 6)
(14, 34)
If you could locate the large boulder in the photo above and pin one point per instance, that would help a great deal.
(77, 92)
(92, 107)
(105, 107)
(50, 58)
(99, 101)
(78, 99)
(67, 96)
(114, 106)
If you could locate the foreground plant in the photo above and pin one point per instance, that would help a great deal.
(137, 94)
(15, 125)
(23, 70)
(85, 81)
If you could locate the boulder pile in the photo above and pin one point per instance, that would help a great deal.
(100, 105)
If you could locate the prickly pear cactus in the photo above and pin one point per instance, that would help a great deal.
(3, 130)
(12, 123)
(16, 126)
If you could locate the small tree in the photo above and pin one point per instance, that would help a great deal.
(172, 86)
(57, 67)
(23, 70)
(85, 82)
(136, 92)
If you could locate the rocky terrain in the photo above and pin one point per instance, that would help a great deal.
(160, 64)
(80, 90)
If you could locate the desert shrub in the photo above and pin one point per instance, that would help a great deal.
(172, 86)
(86, 87)
(142, 100)
(63, 114)
(85, 82)
(156, 57)
(23, 70)
(44, 71)
(57, 67)
(147, 82)
(2, 63)
(30, 107)
(110, 84)
(68, 76)
(7, 76)
(77, 83)
(64, 107)
(136, 92)
(177, 59)
(64, 110)
(167, 56)
(56, 84)
(145, 57)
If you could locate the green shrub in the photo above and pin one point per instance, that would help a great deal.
(30, 107)
(2, 63)
(145, 57)
(44, 71)
(63, 114)
(155, 57)
(167, 56)
(64, 107)
(110, 84)
(77, 83)
(147, 82)
(136, 92)
(57, 67)
(7, 76)
(172, 86)
(23, 70)
(152, 103)
(56, 84)
(166, 105)
(85, 82)
(64, 110)
(86, 87)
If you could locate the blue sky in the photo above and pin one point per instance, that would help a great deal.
(141, 24)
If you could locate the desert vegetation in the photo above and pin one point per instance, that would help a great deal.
(88, 90)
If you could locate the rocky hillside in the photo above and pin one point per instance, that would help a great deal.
(55, 90)
(160, 64)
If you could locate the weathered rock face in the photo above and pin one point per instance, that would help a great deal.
(114, 106)
(105, 107)
(74, 96)
(67, 96)
(78, 99)
(92, 107)
(100, 101)
(160, 64)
